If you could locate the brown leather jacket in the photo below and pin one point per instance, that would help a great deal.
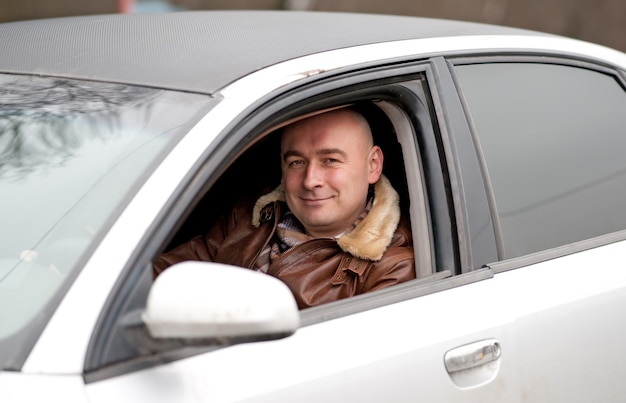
(376, 254)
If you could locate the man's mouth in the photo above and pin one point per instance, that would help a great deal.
(312, 201)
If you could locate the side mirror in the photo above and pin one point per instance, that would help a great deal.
(210, 303)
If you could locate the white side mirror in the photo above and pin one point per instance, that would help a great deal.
(200, 300)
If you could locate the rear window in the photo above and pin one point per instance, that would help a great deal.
(553, 138)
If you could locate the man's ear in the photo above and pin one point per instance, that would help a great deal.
(375, 160)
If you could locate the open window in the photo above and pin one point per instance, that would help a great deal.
(246, 159)
(257, 171)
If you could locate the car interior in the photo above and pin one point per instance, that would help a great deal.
(258, 170)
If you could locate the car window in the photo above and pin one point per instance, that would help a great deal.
(71, 152)
(553, 141)
(257, 173)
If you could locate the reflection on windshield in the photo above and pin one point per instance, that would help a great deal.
(37, 119)
(71, 152)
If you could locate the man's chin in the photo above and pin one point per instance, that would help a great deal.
(317, 225)
(312, 223)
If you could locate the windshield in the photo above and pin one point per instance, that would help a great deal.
(71, 152)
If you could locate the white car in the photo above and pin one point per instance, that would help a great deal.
(123, 135)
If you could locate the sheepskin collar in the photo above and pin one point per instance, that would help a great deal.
(371, 237)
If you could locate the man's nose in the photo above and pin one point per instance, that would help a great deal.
(313, 177)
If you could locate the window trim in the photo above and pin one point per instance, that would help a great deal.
(414, 175)
(473, 218)
(554, 253)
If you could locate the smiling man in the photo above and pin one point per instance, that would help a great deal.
(333, 227)
(328, 163)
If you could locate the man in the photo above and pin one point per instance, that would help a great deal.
(331, 230)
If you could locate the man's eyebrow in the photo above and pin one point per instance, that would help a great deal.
(290, 153)
(323, 151)
(326, 151)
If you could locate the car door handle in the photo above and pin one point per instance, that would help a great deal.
(474, 364)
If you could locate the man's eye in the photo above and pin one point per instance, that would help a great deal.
(295, 163)
(331, 161)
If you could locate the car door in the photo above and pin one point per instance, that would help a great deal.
(551, 134)
(482, 327)
(341, 348)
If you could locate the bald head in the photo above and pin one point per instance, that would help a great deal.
(336, 117)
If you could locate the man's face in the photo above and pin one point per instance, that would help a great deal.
(328, 163)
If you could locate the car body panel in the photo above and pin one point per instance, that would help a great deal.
(19, 387)
(407, 355)
(257, 35)
(324, 62)
(206, 50)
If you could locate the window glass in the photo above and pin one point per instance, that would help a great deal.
(71, 154)
(553, 138)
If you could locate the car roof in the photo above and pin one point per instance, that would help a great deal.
(201, 51)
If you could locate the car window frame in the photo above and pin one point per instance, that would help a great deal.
(131, 290)
(473, 220)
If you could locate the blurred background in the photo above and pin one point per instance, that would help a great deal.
(599, 21)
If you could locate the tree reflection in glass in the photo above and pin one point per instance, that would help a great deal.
(72, 153)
